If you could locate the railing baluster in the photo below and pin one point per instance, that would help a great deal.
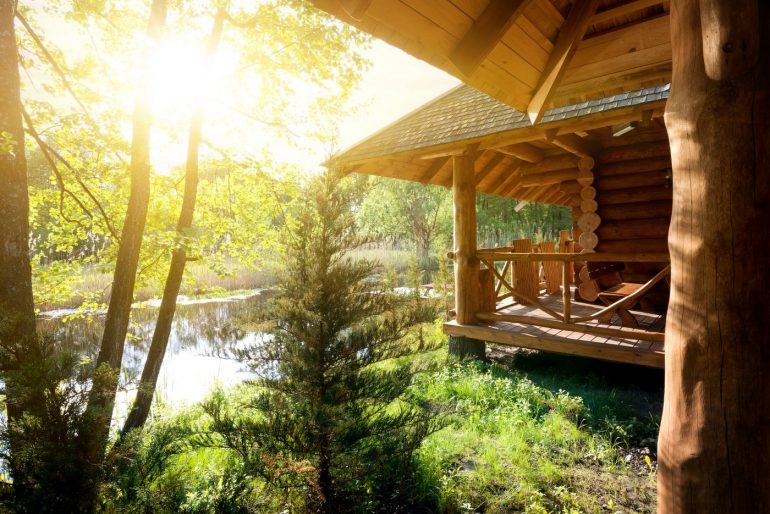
(566, 293)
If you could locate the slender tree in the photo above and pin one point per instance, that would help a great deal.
(99, 412)
(141, 407)
(714, 447)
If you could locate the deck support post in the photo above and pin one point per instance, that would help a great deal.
(714, 444)
(467, 289)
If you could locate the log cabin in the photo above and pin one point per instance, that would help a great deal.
(539, 55)
(606, 159)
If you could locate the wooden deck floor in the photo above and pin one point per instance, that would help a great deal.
(632, 351)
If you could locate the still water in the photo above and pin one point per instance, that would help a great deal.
(196, 359)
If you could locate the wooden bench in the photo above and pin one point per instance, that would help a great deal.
(621, 289)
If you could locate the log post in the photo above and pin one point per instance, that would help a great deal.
(714, 444)
(467, 288)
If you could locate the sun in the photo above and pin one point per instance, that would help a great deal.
(184, 75)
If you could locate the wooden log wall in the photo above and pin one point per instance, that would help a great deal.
(633, 197)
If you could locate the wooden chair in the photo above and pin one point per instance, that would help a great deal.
(604, 272)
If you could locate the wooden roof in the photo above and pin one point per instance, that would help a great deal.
(418, 146)
(529, 54)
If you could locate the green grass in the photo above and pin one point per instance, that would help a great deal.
(535, 436)
(528, 433)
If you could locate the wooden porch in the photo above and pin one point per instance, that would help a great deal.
(628, 348)
(526, 300)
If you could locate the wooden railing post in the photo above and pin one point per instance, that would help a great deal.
(565, 290)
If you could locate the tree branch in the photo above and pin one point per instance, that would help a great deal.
(62, 75)
(49, 153)
(59, 179)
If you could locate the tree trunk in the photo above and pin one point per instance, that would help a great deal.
(141, 407)
(466, 348)
(99, 411)
(18, 344)
(423, 248)
(325, 475)
(714, 446)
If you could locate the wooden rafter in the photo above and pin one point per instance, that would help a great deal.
(506, 182)
(569, 38)
(576, 145)
(523, 151)
(485, 33)
(433, 170)
(488, 167)
(623, 10)
(356, 8)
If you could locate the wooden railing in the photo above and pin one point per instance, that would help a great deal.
(565, 320)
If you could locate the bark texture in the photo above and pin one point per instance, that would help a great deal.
(102, 399)
(18, 313)
(714, 446)
(18, 344)
(141, 407)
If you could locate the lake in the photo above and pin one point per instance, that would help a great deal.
(195, 360)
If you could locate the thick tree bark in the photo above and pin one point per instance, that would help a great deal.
(325, 484)
(102, 399)
(18, 343)
(714, 447)
(141, 407)
(15, 271)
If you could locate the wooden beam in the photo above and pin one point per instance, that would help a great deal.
(433, 170)
(505, 181)
(544, 192)
(549, 177)
(551, 198)
(489, 167)
(557, 162)
(575, 145)
(622, 10)
(523, 151)
(517, 191)
(569, 38)
(485, 33)
(451, 152)
(356, 8)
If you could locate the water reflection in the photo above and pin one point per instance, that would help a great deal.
(196, 356)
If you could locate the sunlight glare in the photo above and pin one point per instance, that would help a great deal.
(184, 75)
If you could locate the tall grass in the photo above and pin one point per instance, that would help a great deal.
(523, 442)
(94, 285)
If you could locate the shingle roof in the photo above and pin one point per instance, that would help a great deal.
(464, 113)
